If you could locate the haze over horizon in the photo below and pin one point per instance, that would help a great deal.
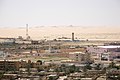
(17, 13)
(52, 32)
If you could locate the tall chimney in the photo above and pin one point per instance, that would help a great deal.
(26, 30)
(72, 36)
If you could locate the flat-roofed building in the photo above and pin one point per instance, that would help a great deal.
(7, 40)
(103, 49)
(9, 76)
(104, 52)
(15, 65)
(22, 41)
(9, 65)
(79, 56)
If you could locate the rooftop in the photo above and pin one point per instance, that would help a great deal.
(76, 53)
(109, 46)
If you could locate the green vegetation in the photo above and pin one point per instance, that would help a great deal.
(98, 67)
(53, 77)
(88, 67)
(113, 65)
(39, 62)
(67, 69)
(1, 74)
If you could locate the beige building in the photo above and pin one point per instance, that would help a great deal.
(79, 56)
(11, 65)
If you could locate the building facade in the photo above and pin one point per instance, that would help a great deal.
(80, 56)
(104, 52)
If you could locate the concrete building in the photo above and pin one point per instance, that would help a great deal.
(1, 53)
(9, 77)
(7, 40)
(13, 65)
(103, 49)
(113, 74)
(7, 65)
(79, 56)
(104, 52)
(17, 41)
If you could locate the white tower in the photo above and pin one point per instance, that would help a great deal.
(27, 36)
(26, 31)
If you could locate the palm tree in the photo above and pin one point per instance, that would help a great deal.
(98, 67)
(111, 65)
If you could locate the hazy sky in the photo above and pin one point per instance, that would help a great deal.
(17, 13)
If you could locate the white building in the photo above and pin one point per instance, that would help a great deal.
(1, 53)
(7, 40)
(104, 52)
(22, 42)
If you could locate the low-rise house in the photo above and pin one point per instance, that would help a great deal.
(7, 40)
(76, 75)
(80, 56)
(62, 78)
(86, 79)
(113, 74)
(100, 53)
(9, 77)
(17, 41)
(7, 65)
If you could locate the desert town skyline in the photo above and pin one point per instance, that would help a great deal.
(59, 39)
